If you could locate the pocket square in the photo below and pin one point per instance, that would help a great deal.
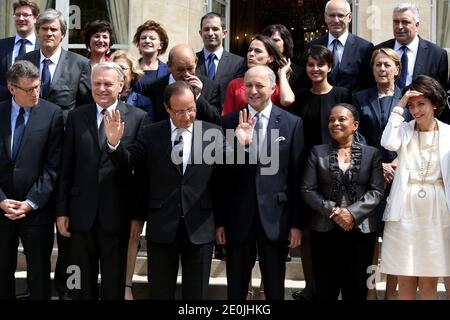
(279, 139)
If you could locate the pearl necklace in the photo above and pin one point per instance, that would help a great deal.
(425, 170)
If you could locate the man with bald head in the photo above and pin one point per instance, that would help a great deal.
(259, 208)
(182, 64)
(351, 69)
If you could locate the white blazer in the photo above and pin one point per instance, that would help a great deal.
(396, 137)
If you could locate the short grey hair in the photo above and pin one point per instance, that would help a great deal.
(347, 5)
(22, 69)
(402, 7)
(109, 65)
(51, 15)
(269, 72)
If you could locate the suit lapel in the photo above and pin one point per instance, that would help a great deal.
(375, 106)
(33, 121)
(59, 70)
(201, 63)
(165, 138)
(274, 124)
(349, 51)
(421, 57)
(5, 118)
(9, 53)
(90, 118)
(223, 64)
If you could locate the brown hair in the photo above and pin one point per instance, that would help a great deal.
(23, 3)
(155, 26)
(431, 89)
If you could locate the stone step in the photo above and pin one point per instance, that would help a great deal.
(294, 269)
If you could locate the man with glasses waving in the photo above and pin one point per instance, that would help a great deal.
(176, 192)
(351, 68)
(31, 132)
(25, 40)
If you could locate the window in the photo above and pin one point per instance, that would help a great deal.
(81, 12)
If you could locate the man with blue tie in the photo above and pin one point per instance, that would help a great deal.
(31, 132)
(352, 53)
(25, 40)
(214, 61)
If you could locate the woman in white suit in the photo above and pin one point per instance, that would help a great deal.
(416, 242)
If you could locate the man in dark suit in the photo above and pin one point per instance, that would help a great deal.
(65, 81)
(182, 63)
(351, 69)
(65, 76)
(31, 132)
(259, 198)
(422, 56)
(418, 56)
(178, 194)
(94, 196)
(213, 61)
(25, 14)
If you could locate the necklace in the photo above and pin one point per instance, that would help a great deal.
(424, 170)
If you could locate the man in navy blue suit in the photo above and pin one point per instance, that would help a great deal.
(25, 40)
(352, 53)
(419, 56)
(260, 196)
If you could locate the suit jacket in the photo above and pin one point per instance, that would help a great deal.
(207, 104)
(90, 185)
(364, 178)
(4, 93)
(6, 54)
(396, 137)
(354, 69)
(71, 83)
(230, 66)
(166, 194)
(371, 124)
(431, 60)
(34, 173)
(246, 190)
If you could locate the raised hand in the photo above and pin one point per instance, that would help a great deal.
(114, 127)
(244, 131)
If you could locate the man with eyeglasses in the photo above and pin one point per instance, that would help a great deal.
(352, 54)
(25, 40)
(31, 133)
(182, 64)
(177, 190)
(95, 199)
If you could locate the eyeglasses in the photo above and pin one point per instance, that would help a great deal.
(340, 16)
(22, 14)
(29, 90)
(180, 113)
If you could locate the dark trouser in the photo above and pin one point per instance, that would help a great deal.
(62, 262)
(37, 240)
(98, 249)
(241, 260)
(163, 260)
(340, 260)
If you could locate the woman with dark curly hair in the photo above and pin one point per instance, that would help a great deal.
(98, 40)
(416, 239)
(342, 184)
(152, 41)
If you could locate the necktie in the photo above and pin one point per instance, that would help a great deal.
(22, 48)
(257, 136)
(211, 66)
(45, 78)
(101, 131)
(401, 82)
(177, 149)
(18, 133)
(335, 69)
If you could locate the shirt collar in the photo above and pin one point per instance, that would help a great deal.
(413, 46)
(171, 79)
(218, 53)
(54, 58)
(31, 38)
(16, 107)
(111, 107)
(265, 112)
(173, 127)
(342, 39)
